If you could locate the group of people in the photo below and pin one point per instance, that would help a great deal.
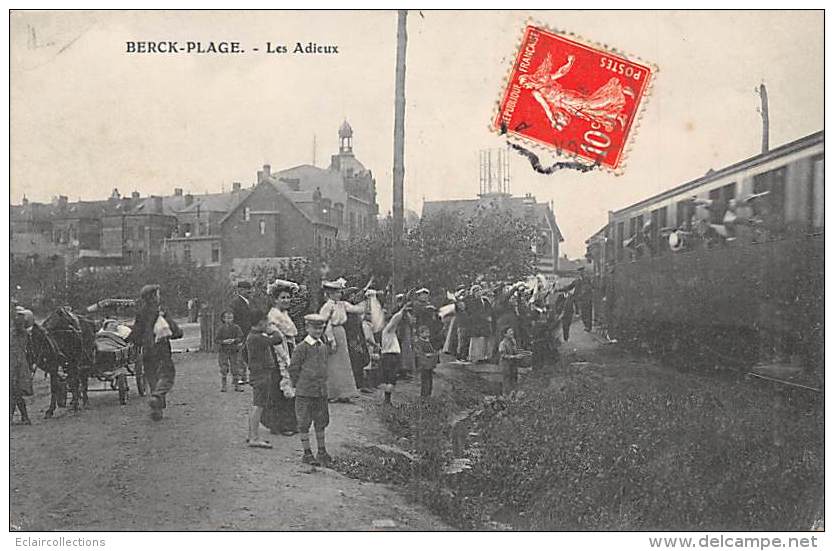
(513, 323)
(351, 345)
(357, 341)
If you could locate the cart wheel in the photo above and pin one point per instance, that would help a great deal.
(121, 382)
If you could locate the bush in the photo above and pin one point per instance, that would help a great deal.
(48, 286)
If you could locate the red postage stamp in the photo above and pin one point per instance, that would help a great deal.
(573, 98)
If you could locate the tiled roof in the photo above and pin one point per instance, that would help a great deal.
(310, 177)
(215, 202)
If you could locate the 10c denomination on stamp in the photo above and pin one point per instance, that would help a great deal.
(573, 98)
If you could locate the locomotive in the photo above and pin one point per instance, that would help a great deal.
(727, 269)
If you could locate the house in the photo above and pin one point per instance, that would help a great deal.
(541, 214)
(343, 194)
(288, 213)
(267, 223)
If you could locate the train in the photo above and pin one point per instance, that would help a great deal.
(726, 269)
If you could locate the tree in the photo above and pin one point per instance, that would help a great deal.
(443, 251)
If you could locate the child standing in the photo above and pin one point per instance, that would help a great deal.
(508, 361)
(427, 359)
(230, 337)
(308, 372)
(262, 368)
(391, 353)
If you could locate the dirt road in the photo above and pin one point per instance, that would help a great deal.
(110, 467)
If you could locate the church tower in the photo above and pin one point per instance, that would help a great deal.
(345, 139)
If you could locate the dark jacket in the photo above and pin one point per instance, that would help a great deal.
(243, 313)
(308, 369)
(142, 333)
(427, 356)
(260, 356)
(230, 331)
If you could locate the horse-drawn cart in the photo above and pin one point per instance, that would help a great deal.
(114, 358)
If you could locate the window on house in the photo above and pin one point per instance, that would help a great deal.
(318, 241)
(262, 227)
(215, 253)
(186, 229)
(771, 207)
(352, 220)
(186, 253)
(140, 232)
(247, 214)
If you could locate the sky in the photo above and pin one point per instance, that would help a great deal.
(87, 117)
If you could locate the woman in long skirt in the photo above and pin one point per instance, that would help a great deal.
(279, 414)
(340, 384)
(357, 345)
(480, 325)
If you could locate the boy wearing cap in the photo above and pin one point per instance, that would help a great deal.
(308, 372)
(427, 359)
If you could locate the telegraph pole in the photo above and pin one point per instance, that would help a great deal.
(765, 118)
(399, 146)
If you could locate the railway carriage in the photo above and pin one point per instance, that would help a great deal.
(727, 269)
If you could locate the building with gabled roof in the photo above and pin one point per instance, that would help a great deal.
(287, 213)
(343, 194)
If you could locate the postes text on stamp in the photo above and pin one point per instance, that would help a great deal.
(576, 99)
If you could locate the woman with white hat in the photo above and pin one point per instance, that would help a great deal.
(341, 386)
(279, 414)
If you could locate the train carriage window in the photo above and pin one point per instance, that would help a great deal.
(817, 202)
(720, 197)
(770, 207)
(659, 222)
(683, 219)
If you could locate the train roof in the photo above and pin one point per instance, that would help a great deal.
(790, 147)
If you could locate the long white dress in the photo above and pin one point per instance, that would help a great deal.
(340, 381)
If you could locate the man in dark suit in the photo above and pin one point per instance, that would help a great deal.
(241, 307)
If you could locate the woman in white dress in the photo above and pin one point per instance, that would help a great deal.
(279, 415)
(341, 386)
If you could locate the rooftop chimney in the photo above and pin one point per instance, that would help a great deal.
(157, 204)
(25, 201)
(188, 199)
(267, 171)
(260, 176)
(235, 186)
(177, 192)
(135, 195)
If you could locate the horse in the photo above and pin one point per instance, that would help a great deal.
(74, 338)
(48, 357)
